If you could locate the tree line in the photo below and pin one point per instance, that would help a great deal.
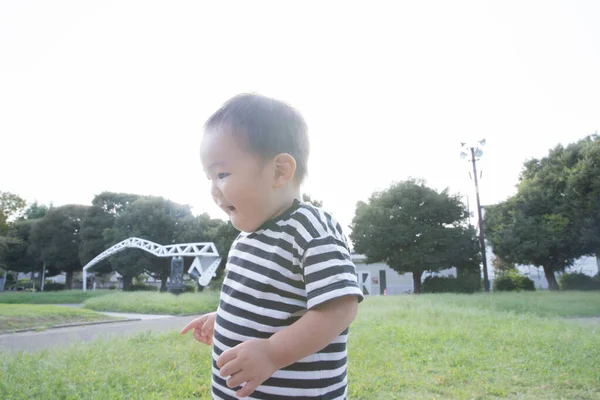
(551, 220)
(66, 238)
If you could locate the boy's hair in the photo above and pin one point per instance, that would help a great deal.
(267, 126)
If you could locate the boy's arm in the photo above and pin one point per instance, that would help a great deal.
(254, 361)
(313, 331)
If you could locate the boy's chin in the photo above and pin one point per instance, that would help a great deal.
(241, 225)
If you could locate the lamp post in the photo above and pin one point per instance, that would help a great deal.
(476, 152)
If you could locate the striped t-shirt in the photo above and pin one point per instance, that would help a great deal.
(291, 264)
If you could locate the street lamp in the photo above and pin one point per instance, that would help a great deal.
(476, 152)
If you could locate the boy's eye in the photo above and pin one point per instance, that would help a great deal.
(222, 175)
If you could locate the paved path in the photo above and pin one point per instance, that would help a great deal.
(121, 315)
(586, 320)
(33, 341)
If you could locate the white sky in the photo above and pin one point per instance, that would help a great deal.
(100, 95)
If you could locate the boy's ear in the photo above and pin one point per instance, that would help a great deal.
(285, 169)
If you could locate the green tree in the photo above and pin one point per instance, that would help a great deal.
(205, 229)
(502, 266)
(99, 218)
(307, 199)
(18, 256)
(151, 218)
(14, 247)
(11, 206)
(95, 222)
(414, 229)
(541, 225)
(583, 192)
(35, 211)
(55, 239)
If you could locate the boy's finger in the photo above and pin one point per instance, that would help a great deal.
(205, 329)
(248, 389)
(226, 356)
(193, 324)
(199, 337)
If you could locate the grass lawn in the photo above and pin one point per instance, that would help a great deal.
(155, 303)
(60, 297)
(405, 347)
(22, 316)
(543, 304)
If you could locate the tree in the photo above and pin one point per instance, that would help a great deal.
(55, 239)
(98, 219)
(95, 222)
(583, 192)
(114, 203)
(14, 247)
(552, 220)
(11, 206)
(502, 266)
(414, 229)
(35, 211)
(307, 199)
(204, 229)
(151, 218)
(18, 257)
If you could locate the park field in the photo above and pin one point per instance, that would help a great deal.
(155, 303)
(60, 297)
(34, 316)
(400, 347)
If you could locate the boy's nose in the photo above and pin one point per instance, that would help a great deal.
(216, 193)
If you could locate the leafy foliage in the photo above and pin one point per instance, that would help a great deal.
(513, 281)
(55, 239)
(414, 229)
(35, 211)
(307, 199)
(554, 217)
(11, 206)
(470, 283)
(578, 281)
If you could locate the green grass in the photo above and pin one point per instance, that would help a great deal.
(156, 303)
(22, 316)
(60, 297)
(405, 347)
(543, 304)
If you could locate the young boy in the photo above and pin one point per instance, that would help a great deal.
(290, 290)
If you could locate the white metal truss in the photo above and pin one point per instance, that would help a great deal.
(197, 250)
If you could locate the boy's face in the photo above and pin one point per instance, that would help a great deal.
(242, 184)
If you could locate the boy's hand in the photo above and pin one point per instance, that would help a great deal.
(251, 362)
(203, 326)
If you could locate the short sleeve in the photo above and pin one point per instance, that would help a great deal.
(329, 272)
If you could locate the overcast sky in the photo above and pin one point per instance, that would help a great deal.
(111, 96)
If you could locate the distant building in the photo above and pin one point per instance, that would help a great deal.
(376, 278)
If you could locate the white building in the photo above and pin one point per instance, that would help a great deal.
(374, 278)
(377, 277)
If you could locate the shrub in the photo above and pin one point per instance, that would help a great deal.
(54, 286)
(141, 287)
(513, 281)
(463, 284)
(25, 283)
(190, 287)
(578, 281)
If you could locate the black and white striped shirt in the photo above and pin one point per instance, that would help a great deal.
(274, 275)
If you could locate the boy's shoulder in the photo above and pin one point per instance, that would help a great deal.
(315, 222)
